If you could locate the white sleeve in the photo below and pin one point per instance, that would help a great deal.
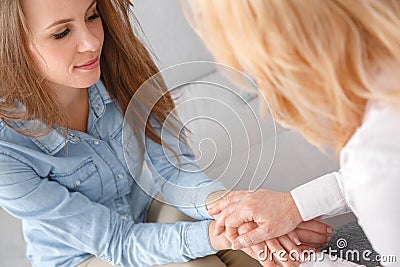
(322, 197)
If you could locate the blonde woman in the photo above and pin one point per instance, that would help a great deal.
(68, 70)
(329, 69)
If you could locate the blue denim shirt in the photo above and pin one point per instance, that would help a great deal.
(80, 201)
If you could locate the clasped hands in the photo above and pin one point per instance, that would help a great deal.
(266, 225)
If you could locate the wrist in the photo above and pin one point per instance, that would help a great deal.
(293, 210)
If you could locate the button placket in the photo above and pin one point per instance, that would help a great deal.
(73, 138)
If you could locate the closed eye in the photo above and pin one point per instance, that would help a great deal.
(62, 34)
(93, 17)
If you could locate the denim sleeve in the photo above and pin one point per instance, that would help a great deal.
(74, 220)
(177, 176)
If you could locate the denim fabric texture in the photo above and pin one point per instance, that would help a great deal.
(77, 199)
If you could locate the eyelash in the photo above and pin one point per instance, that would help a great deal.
(61, 35)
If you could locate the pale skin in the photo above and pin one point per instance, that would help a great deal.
(312, 234)
(67, 40)
(65, 36)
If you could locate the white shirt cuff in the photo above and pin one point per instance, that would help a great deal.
(320, 197)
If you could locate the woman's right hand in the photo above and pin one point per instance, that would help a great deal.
(219, 242)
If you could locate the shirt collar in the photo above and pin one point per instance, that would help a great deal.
(55, 140)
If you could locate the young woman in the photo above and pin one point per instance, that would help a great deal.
(68, 70)
(329, 69)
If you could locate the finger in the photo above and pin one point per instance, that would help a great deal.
(306, 248)
(294, 237)
(223, 203)
(230, 217)
(293, 250)
(306, 236)
(307, 252)
(214, 211)
(280, 256)
(280, 264)
(246, 227)
(250, 238)
(261, 251)
(231, 233)
(220, 222)
(262, 254)
(218, 230)
(315, 246)
(316, 226)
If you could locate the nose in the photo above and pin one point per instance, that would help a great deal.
(88, 41)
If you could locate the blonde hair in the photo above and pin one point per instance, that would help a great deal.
(314, 60)
(125, 64)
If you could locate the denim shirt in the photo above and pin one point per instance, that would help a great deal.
(77, 199)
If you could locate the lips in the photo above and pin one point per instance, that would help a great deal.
(89, 65)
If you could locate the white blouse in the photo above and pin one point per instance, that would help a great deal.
(368, 184)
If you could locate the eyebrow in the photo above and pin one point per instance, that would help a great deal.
(62, 21)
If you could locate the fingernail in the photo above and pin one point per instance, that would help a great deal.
(328, 239)
(236, 246)
(297, 241)
(330, 230)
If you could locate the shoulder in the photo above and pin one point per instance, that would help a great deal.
(376, 144)
(11, 140)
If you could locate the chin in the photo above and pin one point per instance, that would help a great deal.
(89, 81)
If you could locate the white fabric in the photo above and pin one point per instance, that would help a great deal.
(367, 184)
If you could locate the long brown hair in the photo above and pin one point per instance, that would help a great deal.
(125, 63)
(314, 60)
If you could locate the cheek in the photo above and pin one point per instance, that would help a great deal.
(98, 31)
(39, 58)
(51, 58)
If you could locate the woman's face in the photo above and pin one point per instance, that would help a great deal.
(67, 38)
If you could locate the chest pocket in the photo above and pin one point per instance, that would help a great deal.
(83, 177)
(117, 135)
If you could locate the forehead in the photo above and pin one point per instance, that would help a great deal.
(41, 13)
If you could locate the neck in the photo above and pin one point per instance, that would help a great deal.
(78, 111)
(76, 104)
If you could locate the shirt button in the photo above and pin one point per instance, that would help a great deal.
(120, 176)
(96, 142)
(78, 182)
(125, 218)
(71, 135)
